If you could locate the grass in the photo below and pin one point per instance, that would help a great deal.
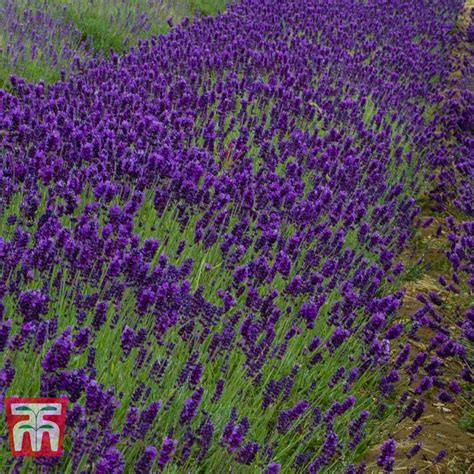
(34, 71)
(208, 7)
(467, 422)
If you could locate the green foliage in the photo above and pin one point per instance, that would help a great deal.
(33, 71)
(208, 7)
(467, 421)
(92, 26)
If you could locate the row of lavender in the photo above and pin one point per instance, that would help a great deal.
(200, 239)
(44, 39)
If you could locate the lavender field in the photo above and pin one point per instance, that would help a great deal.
(239, 238)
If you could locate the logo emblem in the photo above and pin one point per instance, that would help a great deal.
(36, 425)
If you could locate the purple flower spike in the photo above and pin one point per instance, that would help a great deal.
(387, 453)
(273, 468)
(190, 406)
(145, 463)
(167, 449)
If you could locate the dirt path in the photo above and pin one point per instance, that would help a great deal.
(446, 425)
(441, 421)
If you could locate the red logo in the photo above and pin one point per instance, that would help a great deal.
(36, 425)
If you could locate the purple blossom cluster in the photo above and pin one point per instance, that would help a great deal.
(200, 239)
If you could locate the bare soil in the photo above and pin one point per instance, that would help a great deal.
(441, 421)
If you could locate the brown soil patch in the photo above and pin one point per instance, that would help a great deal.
(440, 421)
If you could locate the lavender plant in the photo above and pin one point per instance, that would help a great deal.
(36, 42)
(45, 40)
(200, 239)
